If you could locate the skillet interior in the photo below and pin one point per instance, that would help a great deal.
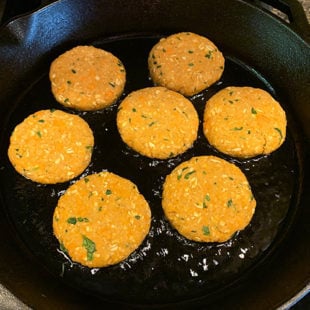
(167, 268)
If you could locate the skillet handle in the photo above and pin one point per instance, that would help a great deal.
(9, 9)
(292, 12)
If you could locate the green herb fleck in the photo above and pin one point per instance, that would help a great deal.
(63, 248)
(69, 82)
(39, 134)
(108, 192)
(74, 220)
(180, 175)
(206, 230)
(188, 174)
(253, 111)
(83, 219)
(191, 64)
(134, 110)
(151, 124)
(190, 52)
(41, 120)
(209, 54)
(86, 180)
(137, 217)
(279, 131)
(71, 220)
(90, 247)
(73, 71)
(237, 128)
(207, 198)
(229, 203)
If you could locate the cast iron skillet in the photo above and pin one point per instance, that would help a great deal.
(263, 266)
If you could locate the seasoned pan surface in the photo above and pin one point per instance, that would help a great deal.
(167, 268)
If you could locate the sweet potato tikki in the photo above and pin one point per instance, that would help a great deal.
(208, 199)
(101, 219)
(51, 146)
(157, 122)
(244, 122)
(185, 62)
(87, 78)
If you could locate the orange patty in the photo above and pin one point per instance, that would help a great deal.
(185, 62)
(157, 122)
(207, 199)
(101, 219)
(244, 122)
(51, 146)
(87, 78)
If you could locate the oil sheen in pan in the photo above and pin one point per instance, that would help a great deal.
(167, 267)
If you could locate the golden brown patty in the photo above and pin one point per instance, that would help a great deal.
(157, 122)
(185, 62)
(87, 78)
(51, 146)
(101, 220)
(244, 122)
(207, 199)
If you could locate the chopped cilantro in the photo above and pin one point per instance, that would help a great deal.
(63, 248)
(187, 175)
(237, 128)
(74, 220)
(209, 54)
(207, 198)
(206, 230)
(90, 247)
(280, 132)
(229, 203)
(71, 220)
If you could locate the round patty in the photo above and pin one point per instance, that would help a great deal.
(51, 146)
(87, 78)
(244, 122)
(207, 199)
(185, 62)
(101, 219)
(157, 122)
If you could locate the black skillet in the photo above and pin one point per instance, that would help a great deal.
(263, 266)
